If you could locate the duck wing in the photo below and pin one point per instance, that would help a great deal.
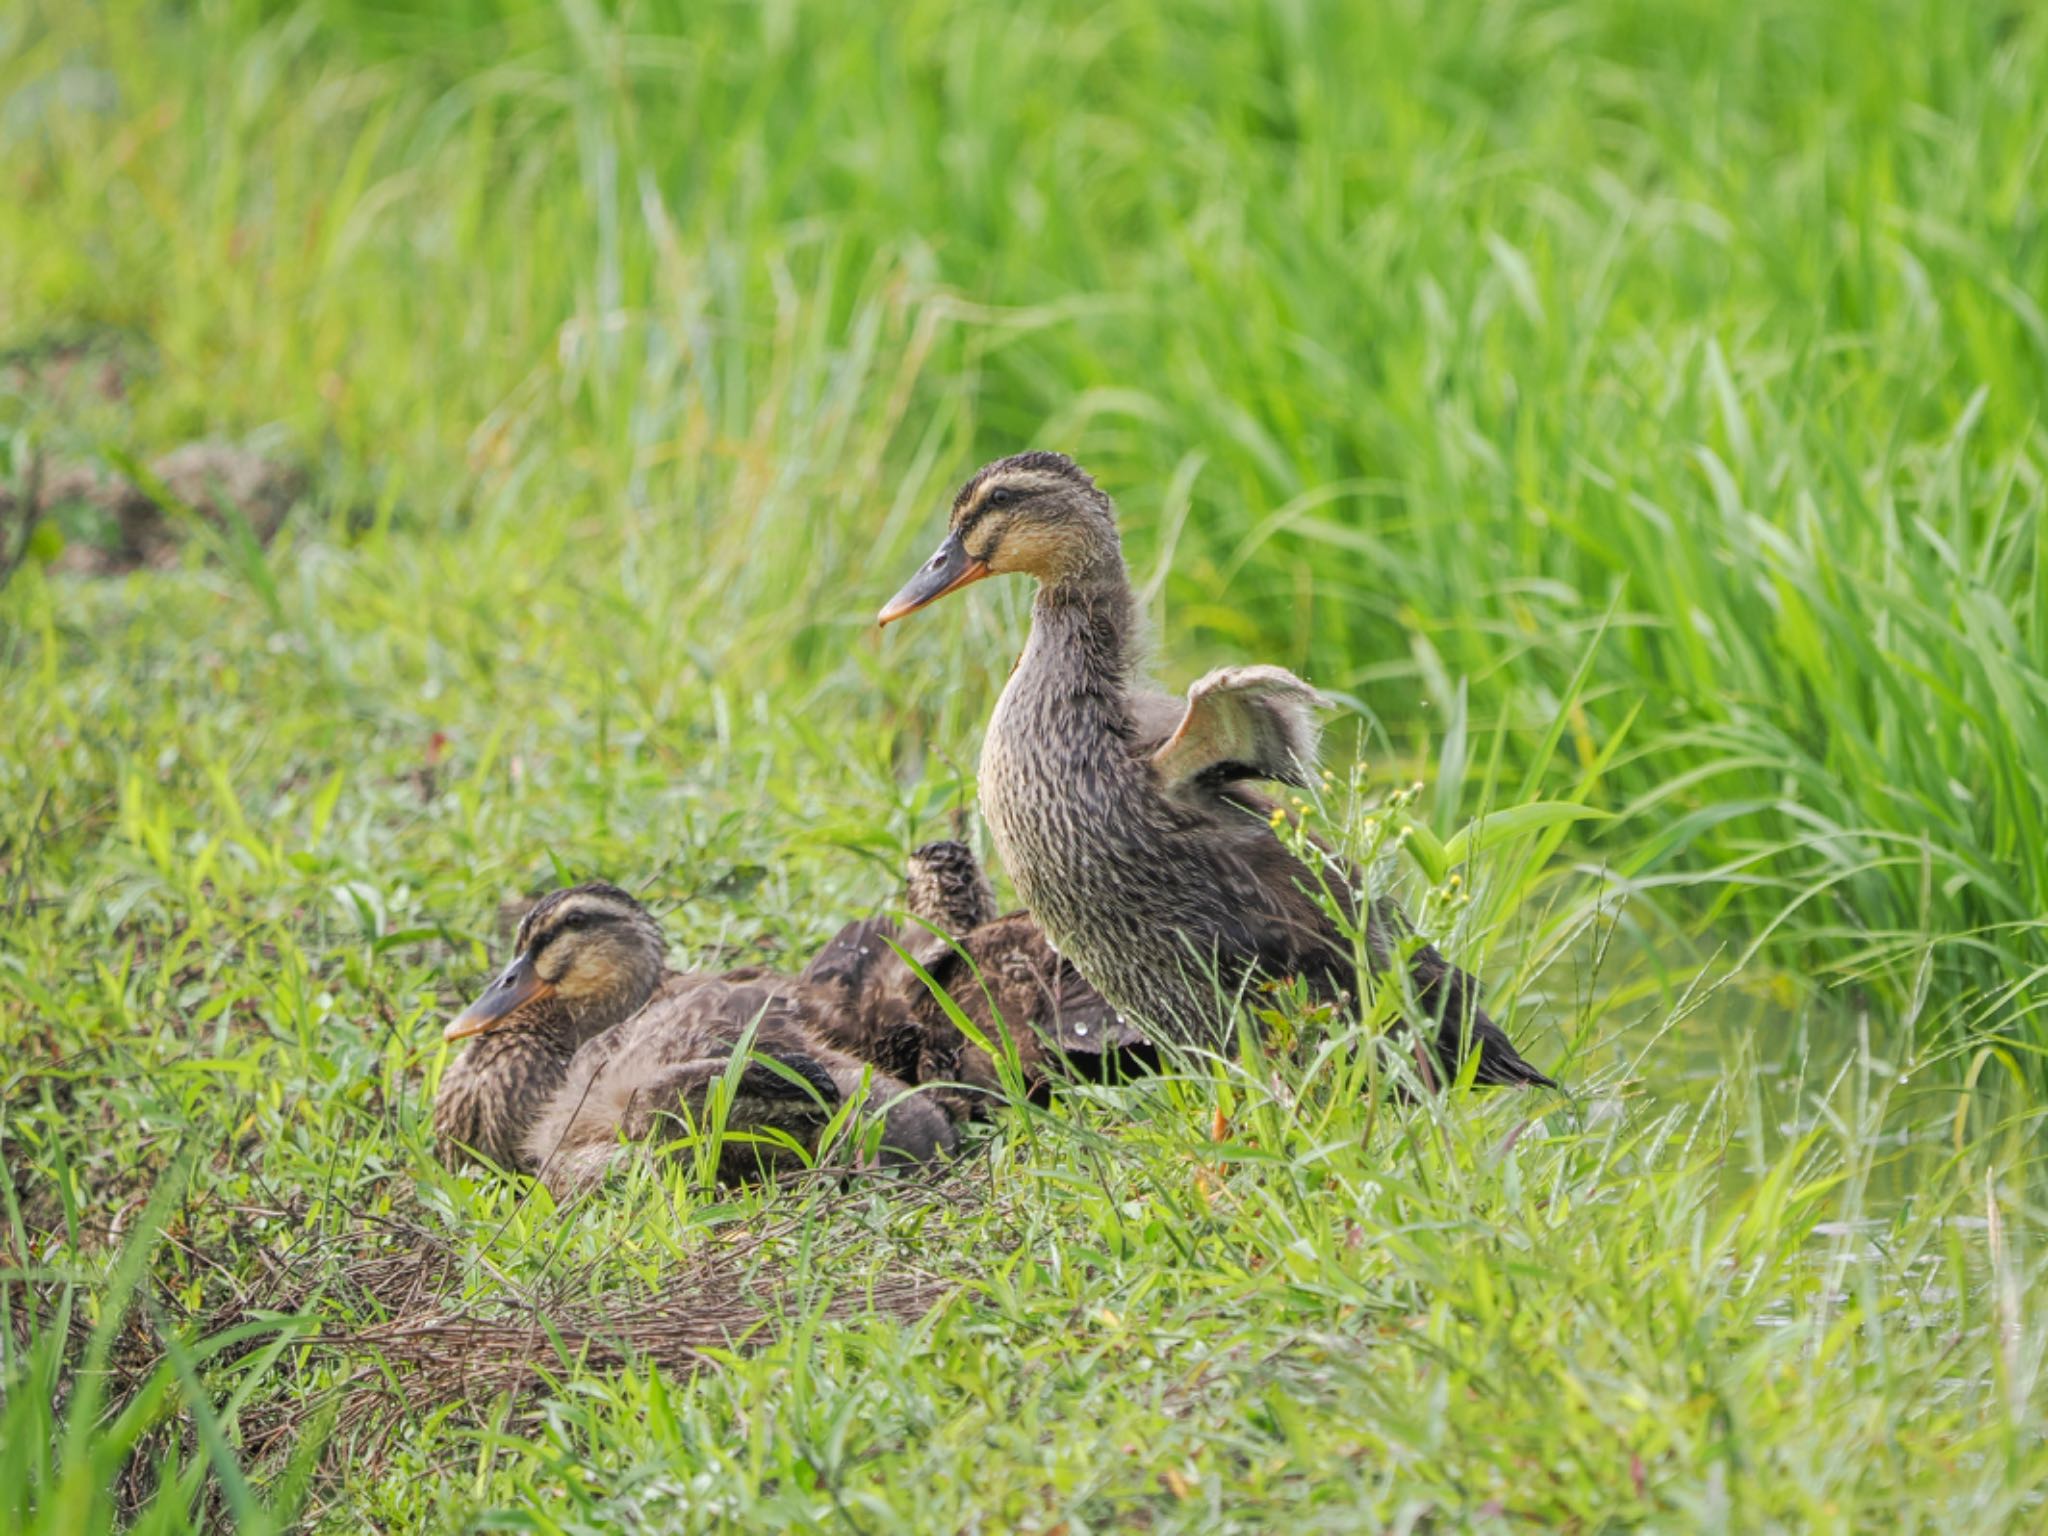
(1281, 922)
(1060, 1025)
(859, 1037)
(868, 1035)
(798, 1102)
(1011, 965)
(623, 1084)
(858, 958)
(1241, 723)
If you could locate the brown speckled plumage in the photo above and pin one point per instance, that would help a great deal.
(947, 887)
(1168, 894)
(613, 1044)
(495, 1088)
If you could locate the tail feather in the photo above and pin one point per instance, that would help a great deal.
(1500, 1064)
(1448, 995)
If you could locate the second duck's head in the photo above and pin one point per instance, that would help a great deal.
(947, 887)
(1037, 514)
(586, 956)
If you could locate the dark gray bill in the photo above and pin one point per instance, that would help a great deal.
(517, 985)
(947, 571)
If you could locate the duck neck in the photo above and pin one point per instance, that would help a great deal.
(955, 904)
(1082, 630)
(497, 1087)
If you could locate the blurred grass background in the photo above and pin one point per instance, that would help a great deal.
(1437, 351)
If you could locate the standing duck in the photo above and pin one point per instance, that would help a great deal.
(1124, 817)
(999, 971)
(587, 1041)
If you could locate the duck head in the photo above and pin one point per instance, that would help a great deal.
(1036, 514)
(946, 886)
(587, 956)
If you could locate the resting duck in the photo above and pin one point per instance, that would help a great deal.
(992, 968)
(587, 1041)
(1124, 816)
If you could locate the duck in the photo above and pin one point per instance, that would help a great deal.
(588, 1042)
(1127, 818)
(997, 968)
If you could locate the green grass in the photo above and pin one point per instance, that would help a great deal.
(1636, 406)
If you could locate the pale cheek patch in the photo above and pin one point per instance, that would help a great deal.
(591, 973)
(1031, 550)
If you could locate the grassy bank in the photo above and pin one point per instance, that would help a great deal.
(1641, 410)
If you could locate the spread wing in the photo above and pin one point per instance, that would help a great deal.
(1242, 723)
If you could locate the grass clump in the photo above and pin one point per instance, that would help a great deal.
(1627, 412)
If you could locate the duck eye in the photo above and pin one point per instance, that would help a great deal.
(1001, 496)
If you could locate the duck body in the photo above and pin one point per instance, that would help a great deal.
(588, 1044)
(1126, 818)
(622, 1085)
(1164, 902)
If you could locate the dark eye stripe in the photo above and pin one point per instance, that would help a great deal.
(540, 940)
(1000, 497)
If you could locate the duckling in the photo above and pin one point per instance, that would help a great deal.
(992, 968)
(587, 1039)
(1124, 816)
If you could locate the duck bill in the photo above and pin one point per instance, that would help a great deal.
(947, 571)
(517, 985)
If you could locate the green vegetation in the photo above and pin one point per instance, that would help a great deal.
(1631, 406)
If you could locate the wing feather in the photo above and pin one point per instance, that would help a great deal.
(1242, 723)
